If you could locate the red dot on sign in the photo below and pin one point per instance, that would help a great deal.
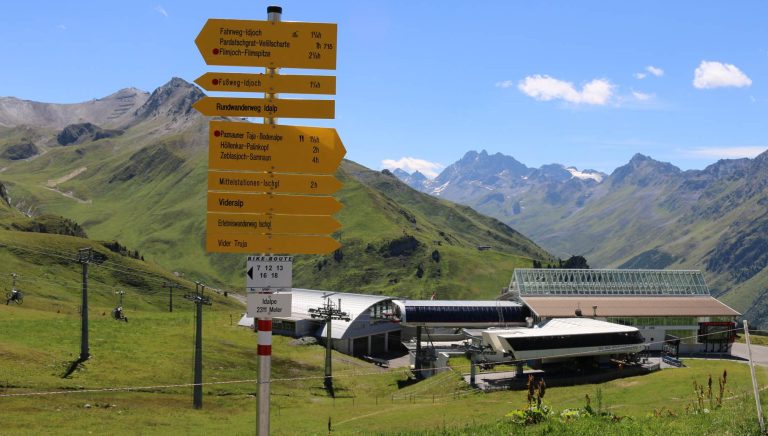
(215, 81)
(215, 51)
(216, 133)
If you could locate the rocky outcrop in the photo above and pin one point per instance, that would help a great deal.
(84, 132)
(23, 150)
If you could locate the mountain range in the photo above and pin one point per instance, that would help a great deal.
(132, 168)
(645, 214)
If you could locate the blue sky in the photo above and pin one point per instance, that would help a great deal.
(587, 84)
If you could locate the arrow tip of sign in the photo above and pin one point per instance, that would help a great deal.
(341, 143)
(199, 81)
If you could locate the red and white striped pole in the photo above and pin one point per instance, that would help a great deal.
(265, 366)
(274, 14)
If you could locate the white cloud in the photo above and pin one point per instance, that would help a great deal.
(658, 72)
(727, 152)
(545, 88)
(711, 74)
(505, 84)
(161, 10)
(650, 69)
(411, 164)
(641, 96)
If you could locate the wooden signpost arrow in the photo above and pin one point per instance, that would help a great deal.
(274, 244)
(276, 183)
(269, 83)
(247, 223)
(253, 43)
(265, 107)
(276, 148)
(242, 202)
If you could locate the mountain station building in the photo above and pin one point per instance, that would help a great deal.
(667, 306)
(358, 335)
(673, 311)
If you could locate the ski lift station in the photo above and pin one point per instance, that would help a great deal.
(543, 315)
(362, 334)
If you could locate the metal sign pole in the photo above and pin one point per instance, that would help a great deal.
(84, 256)
(274, 14)
(754, 379)
(265, 367)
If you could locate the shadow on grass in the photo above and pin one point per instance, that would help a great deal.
(407, 382)
(77, 363)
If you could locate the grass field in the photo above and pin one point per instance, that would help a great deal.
(759, 338)
(138, 378)
(154, 351)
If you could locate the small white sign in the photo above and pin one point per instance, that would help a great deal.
(262, 305)
(269, 272)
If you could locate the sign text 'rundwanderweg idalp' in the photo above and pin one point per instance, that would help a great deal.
(265, 107)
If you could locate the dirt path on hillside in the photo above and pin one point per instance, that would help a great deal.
(56, 182)
(52, 185)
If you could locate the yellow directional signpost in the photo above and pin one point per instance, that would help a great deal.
(265, 107)
(254, 167)
(271, 83)
(271, 224)
(275, 183)
(245, 243)
(269, 147)
(251, 43)
(242, 202)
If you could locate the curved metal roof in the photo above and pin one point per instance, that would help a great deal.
(357, 306)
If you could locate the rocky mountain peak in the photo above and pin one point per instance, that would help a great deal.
(551, 172)
(644, 171)
(173, 99)
(483, 167)
(761, 160)
(639, 158)
(418, 175)
(415, 180)
(399, 173)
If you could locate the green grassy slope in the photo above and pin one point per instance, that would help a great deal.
(47, 268)
(138, 378)
(147, 190)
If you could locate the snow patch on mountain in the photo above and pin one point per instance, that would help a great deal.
(585, 175)
(440, 188)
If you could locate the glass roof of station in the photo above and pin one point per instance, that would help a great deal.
(607, 282)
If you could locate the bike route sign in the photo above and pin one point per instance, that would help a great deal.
(269, 272)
